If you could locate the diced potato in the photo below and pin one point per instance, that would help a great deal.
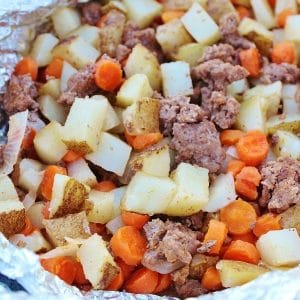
(51, 88)
(221, 193)
(42, 47)
(110, 147)
(200, 263)
(278, 36)
(98, 264)
(289, 91)
(147, 194)
(281, 122)
(290, 106)
(68, 196)
(192, 190)
(287, 144)
(280, 247)
(67, 72)
(82, 129)
(176, 79)
(237, 88)
(7, 189)
(142, 116)
(291, 218)
(52, 110)
(234, 273)
(142, 12)
(177, 4)
(65, 19)
(263, 13)
(120, 128)
(219, 8)
(76, 51)
(48, 143)
(91, 34)
(280, 5)
(200, 25)
(114, 4)
(35, 214)
(190, 53)
(171, 36)
(142, 61)
(133, 89)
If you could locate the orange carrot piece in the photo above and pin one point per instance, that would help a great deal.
(28, 228)
(283, 15)
(46, 212)
(246, 189)
(104, 186)
(250, 60)
(239, 215)
(217, 231)
(242, 251)
(142, 281)
(211, 279)
(171, 15)
(235, 166)
(230, 137)
(97, 228)
(129, 244)
(129, 138)
(244, 12)
(127, 269)
(134, 219)
(143, 141)
(27, 142)
(108, 76)
(266, 223)
(117, 282)
(71, 156)
(247, 237)
(250, 174)
(27, 66)
(48, 179)
(164, 281)
(54, 69)
(80, 278)
(253, 147)
(283, 52)
(272, 3)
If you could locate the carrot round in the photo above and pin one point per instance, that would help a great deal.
(266, 223)
(250, 60)
(242, 251)
(117, 282)
(171, 15)
(142, 281)
(211, 279)
(283, 52)
(97, 228)
(246, 189)
(253, 147)
(71, 156)
(27, 66)
(129, 244)
(247, 237)
(244, 12)
(143, 141)
(134, 219)
(126, 269)
(239, 215)
(54, 69)
(104, 186)
(28, 228)
(108, 75)
(164, 281)
(235, 166)
(230, 137)
(250, 174)
(27, 142)
(272, 3)
(283, 15)
(217, 231)
(80, 278)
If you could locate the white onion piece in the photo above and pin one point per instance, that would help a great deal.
(15, 136)
(113, 225)
(29, 200)
(67, 250)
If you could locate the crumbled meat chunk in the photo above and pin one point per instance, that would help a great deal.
(225, 52)
(20, 95)
(80, 84)
(122, 52)
(206, 246)
(191, 288)
(280, 184)
(180, 276)
(194, 221)
(198, 144)
(91, 13)
(154, 232)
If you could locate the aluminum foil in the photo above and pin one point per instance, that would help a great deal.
(19, 20)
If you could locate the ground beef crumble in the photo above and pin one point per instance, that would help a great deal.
(191, 288)
(91, 13)
(224, 52)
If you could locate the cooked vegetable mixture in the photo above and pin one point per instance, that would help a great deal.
(153, 146)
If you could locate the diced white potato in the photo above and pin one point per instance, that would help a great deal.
(114, 4)
(280, 247)
(190, 53)
(237, 88)
(52, 110)
(65, 19)
(291, 28)
(120, 128)
(42, 47)
(142, 12)
(192, 190)
(7, 189)
(142, 116)
(134, 88)
(143, 61)
(200, 25)
(35, 214)
(85, 120)
(235, 273)
(176, 79)
(118, 195)
(280, 5)
(67, 72)
(51, 88)
(67, 250)
(217, 9)
(290, 106)
(278, 36)
(115, 224)
(112, 154)
(221, 193)
(288, 91)
(178, 4)
(91, 34)
(48, 143)
(171, 36)
(263, 13)
(76, 51)
(289, 122)
(98, 264)
(80, 170)
(147, 194)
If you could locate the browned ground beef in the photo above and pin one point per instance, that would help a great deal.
(91, 13)
(191, 288)
(122, 52)
(225, 52)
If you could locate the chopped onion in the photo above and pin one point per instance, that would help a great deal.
(67, 250)
(29, 200)
(113, 225)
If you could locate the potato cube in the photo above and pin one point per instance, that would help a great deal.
(7, 189)
(91, 34)
(263, 13)
(219, 8)
(289, 123)
(291, 218)
(67, 72)
(290, 106)
(237, 88)
(190, 53)
(51, 88)
(291, 28)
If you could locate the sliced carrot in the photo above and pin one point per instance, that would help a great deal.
(127, 269)
(242, 251)
(54, 69)
(253, 147)
(239, 216)
(250, 174)
(71, 156)
(230, 137)
(142, 281)
(164, 281)
(217, 231)
(48, 180)
(27, 142)
(235, 166)
(143, 141)
(171, 15)
(27, 66)
(272, 3)
(211, 279)
(97, 228)
(129, 138)
(284, 52)
(129, 244)
(246, 189)
(80, 278)
(244, 12)
(134, 219)
(283, 15)
(117, 282)
(108, 74)
(250, 60)
(29, 228)
(46, 212)
(265, 223)
(247, 237)
(104, 186)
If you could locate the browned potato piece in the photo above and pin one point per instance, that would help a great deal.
(219, 8)
(200, 263)
(291, 218)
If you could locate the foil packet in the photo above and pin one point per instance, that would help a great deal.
(19, 22)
